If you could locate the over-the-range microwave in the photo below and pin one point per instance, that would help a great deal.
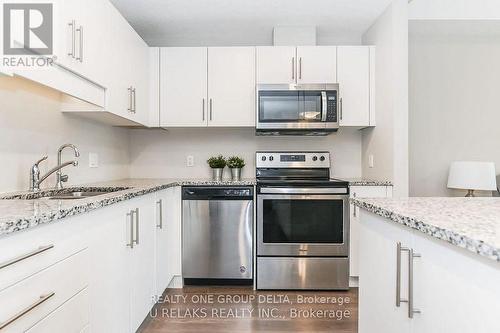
(297, 109)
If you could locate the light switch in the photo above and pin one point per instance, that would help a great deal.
(370, 161)
(93, 160)
(190, 161)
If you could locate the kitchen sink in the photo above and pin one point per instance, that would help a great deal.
(65, 194)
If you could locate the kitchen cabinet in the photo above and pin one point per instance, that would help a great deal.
(454, 290)
(202, 87)
(231, 86)
(168, 238)
(276, 64)
(183, 87)
(355, 75)
(377, 276)
(316, 64)
(361, 192)
(302, 64)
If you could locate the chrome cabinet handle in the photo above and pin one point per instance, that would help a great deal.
(160, 210)
(133, 100)
(136, 211)
(411, 309)
(210, 109)
(72, 52)
(340, 109)
(293, 68)
(23, 312)
(203, 110)
(41, 249)
(80, 56)
(130, 218)
(399, 250)
(354, 206)
(300, 68)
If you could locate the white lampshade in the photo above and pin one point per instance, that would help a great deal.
(472, 176)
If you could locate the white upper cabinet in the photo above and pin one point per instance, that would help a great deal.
(183, 87)
(316, 64)
(356, 85)
(231, 86)
(276, 64)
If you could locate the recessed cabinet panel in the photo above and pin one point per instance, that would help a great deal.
(183, 87)
(231, 86)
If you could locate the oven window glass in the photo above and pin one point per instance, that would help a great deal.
(303, 221)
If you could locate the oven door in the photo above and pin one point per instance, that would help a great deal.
(303, 224)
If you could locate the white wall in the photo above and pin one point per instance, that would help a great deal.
(454, 9)
(32, 126)
(454, 94)
(388, 141)
(160, 153)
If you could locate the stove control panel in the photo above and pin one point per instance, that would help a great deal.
(297, 160)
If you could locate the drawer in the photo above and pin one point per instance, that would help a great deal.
(31, 251)
(71, 317)
(27, 302)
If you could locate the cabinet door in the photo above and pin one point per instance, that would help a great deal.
(231, 86)
(174, 217)
(317, 64)
(143, 260)
(183, 84)
(456, 291)
(276, 64)
(163, 271)
(111, 279)
(360, 192)
(377, 275)
(353, 74)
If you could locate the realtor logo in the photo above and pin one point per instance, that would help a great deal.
(28, 29)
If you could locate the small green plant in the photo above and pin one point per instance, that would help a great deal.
(235, 162)
(217, 162)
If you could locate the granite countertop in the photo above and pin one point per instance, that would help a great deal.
(469, 223)
(367, 182)
(22, 210)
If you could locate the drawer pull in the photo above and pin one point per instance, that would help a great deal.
(42, 299)
(41, 249)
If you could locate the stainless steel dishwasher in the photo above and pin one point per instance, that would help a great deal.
(217, 234)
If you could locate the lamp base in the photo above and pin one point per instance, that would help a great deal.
(470, 194)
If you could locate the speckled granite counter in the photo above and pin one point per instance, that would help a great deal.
(367, 182)
(470, 223)
(22, 210)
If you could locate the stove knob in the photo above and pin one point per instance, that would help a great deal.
(271, 158)
(263, 158)
(315, 158)
(322, 158)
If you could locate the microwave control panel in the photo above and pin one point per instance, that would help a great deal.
(331, 114)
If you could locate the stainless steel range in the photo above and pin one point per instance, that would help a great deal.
(302, 223)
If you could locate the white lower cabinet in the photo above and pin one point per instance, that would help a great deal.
(361, 192)
(453, 290)
(168, 237)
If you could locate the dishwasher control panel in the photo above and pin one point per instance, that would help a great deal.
(217, 192)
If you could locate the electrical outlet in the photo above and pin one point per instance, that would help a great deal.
(93, 160)
(370, 161)
(190, 160)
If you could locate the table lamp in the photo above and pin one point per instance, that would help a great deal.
(470, 176)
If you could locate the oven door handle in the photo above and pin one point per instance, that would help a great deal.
(292, 190)
(324, 106)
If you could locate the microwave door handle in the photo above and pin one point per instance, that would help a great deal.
(324, 106)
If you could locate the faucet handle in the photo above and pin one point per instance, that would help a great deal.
(41, 160)
(64, 178)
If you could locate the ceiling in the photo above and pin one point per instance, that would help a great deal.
(245, 22)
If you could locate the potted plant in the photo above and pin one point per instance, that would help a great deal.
(217, 163)
(235, 163)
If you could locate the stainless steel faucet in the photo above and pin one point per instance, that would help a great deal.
(36, 180)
